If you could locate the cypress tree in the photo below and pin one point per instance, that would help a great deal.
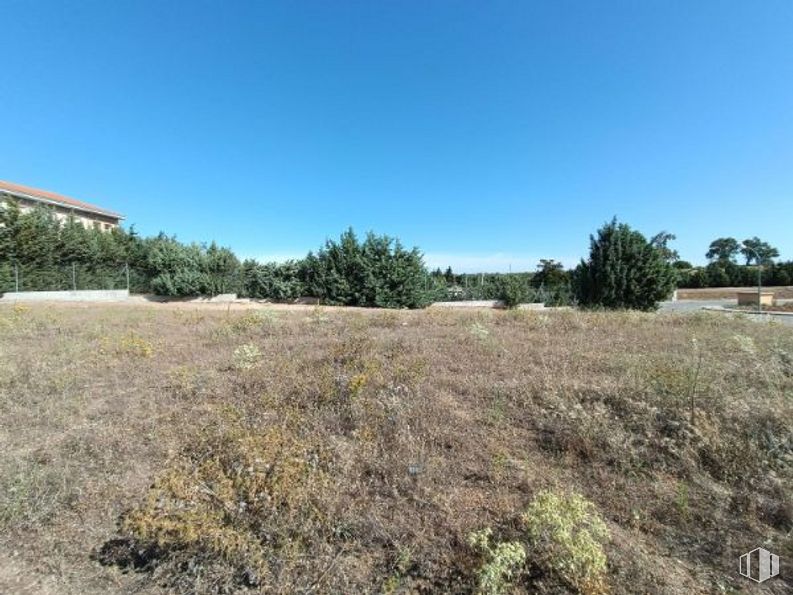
(623, 271)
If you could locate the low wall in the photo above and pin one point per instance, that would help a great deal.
(81, 295)
(469, 304)
(223, 298)
(485, 304)
(748, 298)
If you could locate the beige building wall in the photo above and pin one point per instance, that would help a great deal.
(62, 213)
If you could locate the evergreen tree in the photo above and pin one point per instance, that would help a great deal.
(378, 272)
(623, 271)
(9, 229)
(73, 246)
(176, 269)
(221, 269)
(755, 249)
(660, 242)
(723, 249)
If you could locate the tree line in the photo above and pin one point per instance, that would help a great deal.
(623, 270)
(40, 252)
(724, 270)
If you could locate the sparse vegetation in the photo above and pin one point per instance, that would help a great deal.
(567, 536)
(246, 357)
(407, 451)
(503, 561)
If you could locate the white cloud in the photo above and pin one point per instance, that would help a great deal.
(498, 262)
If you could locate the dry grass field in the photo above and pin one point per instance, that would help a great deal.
(728, 293)
(153, 450)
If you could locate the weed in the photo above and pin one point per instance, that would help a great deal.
(502, 561)
(358, 452)
(32, 493)
(682, 501)
(356, 385)
(566, 536)
(232, 496)
(246, 357)
(184, 382)
(132, 344)
(479, 331)
(253, 319)
(318, 315)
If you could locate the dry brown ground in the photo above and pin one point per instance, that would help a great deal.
(321, 450)
(780, 308)
(719, 293)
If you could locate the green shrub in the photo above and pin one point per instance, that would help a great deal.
(623, 271)
(246, 357)
(513, 291)
(377, 272)
(503, 560)
(566, 535)
(275, 281)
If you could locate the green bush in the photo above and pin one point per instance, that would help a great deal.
(503, 560)
(566, 535)
(377, 272)
(623, 271)
(513, 291)
(278, 282)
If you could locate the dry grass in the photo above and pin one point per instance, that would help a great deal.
(788, 307)
(321, 450)
(728, 293)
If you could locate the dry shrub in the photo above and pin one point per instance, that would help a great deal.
(185, 382)
(25, 321)
(129, 344)
(247, 500)
(189, 317)
(253, 320)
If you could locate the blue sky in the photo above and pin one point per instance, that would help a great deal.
(490, 134)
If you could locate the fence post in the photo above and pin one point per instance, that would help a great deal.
(74, 276)
(16, 277)
(126, 268)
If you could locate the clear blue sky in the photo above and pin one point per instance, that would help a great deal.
(487, 133)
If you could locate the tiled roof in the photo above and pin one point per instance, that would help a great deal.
(52, 197)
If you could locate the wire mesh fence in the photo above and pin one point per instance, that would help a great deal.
(490, 286)
(19, 277)
(16, 277)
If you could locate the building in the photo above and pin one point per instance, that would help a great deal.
(63, 206)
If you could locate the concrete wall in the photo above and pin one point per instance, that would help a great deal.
(469, 304)
(84, 295)
(485, 304)
(748, 298)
